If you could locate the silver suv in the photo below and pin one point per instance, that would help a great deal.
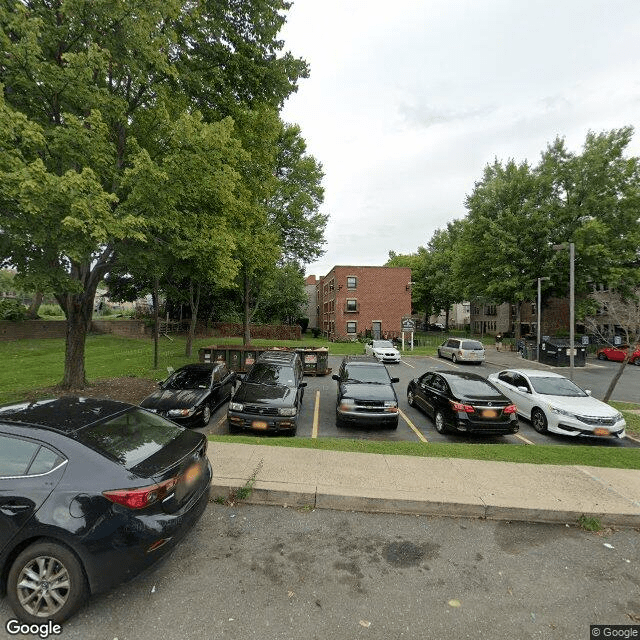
(462, 350)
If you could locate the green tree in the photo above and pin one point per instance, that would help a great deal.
(422, 300)
(504, 243)
(84, 82)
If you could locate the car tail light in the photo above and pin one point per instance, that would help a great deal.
(465, 408)
(510, 409)
(141, 497)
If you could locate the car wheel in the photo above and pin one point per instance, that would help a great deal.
(454, 359)
(411, 399)
(637, 362)
(46, 582)
(539, 420)
(441, 426)
(394, 425)
(439, 354)
(206, 415)
(601, 356)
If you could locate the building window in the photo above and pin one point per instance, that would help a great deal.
(352, 305)
(352, 282)
(352, 327)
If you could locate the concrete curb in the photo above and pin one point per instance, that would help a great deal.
(384, 501)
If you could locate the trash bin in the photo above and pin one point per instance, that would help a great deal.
(557, 352)
(315, 360)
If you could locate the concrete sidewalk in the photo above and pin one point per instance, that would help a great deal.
(429, 486)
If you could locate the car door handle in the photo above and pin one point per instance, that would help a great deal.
(13, 508)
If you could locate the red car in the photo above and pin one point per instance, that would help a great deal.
(618, 354)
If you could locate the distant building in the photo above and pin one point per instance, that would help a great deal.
(356, 300)
(311, 310)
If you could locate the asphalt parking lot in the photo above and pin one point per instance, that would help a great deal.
(317, 418)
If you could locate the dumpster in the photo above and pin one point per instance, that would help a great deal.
(556, 352)
(315, 360)
(239, 358)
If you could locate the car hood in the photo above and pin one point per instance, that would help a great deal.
(360, 391)
(586, 406)
(165, 399)
(274, 395)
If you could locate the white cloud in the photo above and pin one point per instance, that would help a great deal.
(408, 101)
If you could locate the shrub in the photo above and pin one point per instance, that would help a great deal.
(12, 309)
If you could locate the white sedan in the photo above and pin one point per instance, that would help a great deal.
(554, 403)
(383, 350)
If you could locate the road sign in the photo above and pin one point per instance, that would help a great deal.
(408, 324)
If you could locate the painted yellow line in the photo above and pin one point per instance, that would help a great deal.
(412, 426)
(517, 435)
(632, 438)
(316, 414)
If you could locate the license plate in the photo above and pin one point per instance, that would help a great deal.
(601, 432)
(259, 424)
(489, 413)
(192, 474)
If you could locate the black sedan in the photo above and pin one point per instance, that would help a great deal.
(91, 492)
(464, 402)
(190, 394)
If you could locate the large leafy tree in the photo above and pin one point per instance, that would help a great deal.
(83, 82)
(503, 245)
(593, 199)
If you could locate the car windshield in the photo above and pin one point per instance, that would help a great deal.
(556, 387)
(470, 388)
(265, 373)
(131, 437)
(472, 345)
(189, 379)
(383, 344)
(368, 374)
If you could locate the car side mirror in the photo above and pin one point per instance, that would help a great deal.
(523, 389)
(395, 380)
(335, 376)
(302, 384)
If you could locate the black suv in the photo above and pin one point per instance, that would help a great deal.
(366, 395)
(269, 396)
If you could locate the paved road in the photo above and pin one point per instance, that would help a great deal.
(317, 418)
(266, 573)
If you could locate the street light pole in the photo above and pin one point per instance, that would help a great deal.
(539, 312)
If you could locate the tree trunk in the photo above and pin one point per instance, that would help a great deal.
(618, 375)
(194, 304)
(156, 320)
(32, 314)
(247, 312)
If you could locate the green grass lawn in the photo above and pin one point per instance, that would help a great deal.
(596, 456)
(37, 364)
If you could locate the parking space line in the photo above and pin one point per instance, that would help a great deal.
(517, 435)
(316, 414)
(412, 426)
(408, 365)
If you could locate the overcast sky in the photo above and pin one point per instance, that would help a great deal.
(409, 100)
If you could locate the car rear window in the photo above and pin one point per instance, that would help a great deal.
(131, 437)
(469, 388)
(472, 345)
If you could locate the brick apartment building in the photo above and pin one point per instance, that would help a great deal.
(353, 300)
(502, 318)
